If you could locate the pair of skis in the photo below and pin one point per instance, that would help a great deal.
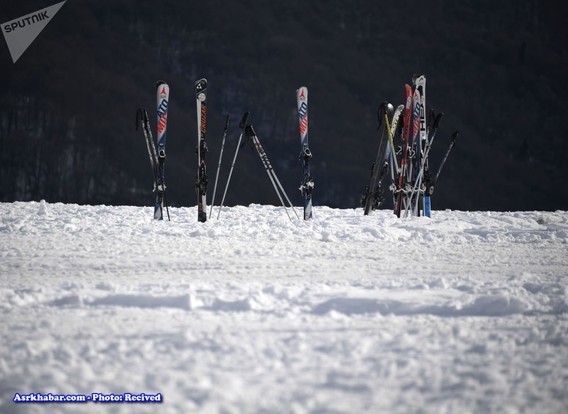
(157, 152)
(157, 155)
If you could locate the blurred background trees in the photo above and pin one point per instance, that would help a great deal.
(67, 107)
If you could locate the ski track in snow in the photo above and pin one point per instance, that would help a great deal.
(464, 312)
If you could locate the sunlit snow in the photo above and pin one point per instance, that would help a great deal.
(466, 312)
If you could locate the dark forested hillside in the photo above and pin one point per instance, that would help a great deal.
(496, 69)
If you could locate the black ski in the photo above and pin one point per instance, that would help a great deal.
(201, 183)
(373, 196)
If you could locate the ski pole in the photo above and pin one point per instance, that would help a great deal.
(219, 164)
(242, 125)
(453, 142)
(270, 171)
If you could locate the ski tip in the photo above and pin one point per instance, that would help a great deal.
(201, 82)
(417, 77)
(162, 89)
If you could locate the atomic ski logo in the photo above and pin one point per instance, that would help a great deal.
(21, 32)
(303, 116)
(163, 92)
(162, 124)
(162, 116)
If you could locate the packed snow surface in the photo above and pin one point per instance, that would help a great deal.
(466, 312)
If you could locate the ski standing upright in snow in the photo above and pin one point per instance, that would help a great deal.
(393, 154)
(400, 198)
(201, 183)
(162, 100)
(421, 141)
(307, 186)
(415, 154)
(373, 196)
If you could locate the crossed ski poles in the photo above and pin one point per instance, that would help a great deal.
(248, 132)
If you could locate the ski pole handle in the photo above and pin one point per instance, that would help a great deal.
(454, 136)
(226, 123)
(244, 121)
(437, 119)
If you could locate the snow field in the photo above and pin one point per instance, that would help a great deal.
(464, 312)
